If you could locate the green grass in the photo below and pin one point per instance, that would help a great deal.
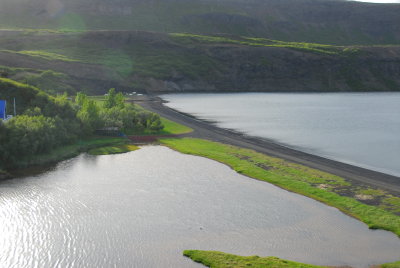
(251, 41)
(392, 203)
(98, 99)
(43, 54)
(118, 149)
(170, 128)
(217, 259)
(293, 177)
(372, 192)
(13, 70)
(391, 265)
(176, 57)
(93, 54)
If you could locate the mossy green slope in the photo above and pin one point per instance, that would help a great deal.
(293, 177)
(158, 62)
(49, 81)
(26, 95)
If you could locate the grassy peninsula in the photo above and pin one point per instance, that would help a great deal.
(217, 259)
(293, 177)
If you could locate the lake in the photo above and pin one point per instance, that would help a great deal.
(143, 208)
(356, 128)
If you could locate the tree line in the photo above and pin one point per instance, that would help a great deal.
(114, 113)
(45, 122)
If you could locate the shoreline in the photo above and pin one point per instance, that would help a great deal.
(48, 160)
(207, 130)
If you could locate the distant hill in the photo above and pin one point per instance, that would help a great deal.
(322, 21)
(151, 62)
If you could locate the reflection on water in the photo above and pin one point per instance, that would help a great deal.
(142, 209)
(361, 129)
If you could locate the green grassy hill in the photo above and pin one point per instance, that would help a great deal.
(157, 62)
(29, 97)
(324, 21)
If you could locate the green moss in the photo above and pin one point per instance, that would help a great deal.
(118, 149)
(217, 259)
(293, 177)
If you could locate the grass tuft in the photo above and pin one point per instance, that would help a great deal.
(119, 149)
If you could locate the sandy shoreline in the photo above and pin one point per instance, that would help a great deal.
(206, 130)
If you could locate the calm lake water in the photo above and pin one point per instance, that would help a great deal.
(361, 129)
(143, 208)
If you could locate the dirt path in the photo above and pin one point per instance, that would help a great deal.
(205, 130)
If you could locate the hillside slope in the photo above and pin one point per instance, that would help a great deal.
(156, 62)
(324, 21)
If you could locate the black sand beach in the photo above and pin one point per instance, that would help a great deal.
(206, 130)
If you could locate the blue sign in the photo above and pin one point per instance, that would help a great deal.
(3, 114)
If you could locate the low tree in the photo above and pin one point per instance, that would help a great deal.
(155, 123)
(89, 116)
(114, 99)
(80, 99)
